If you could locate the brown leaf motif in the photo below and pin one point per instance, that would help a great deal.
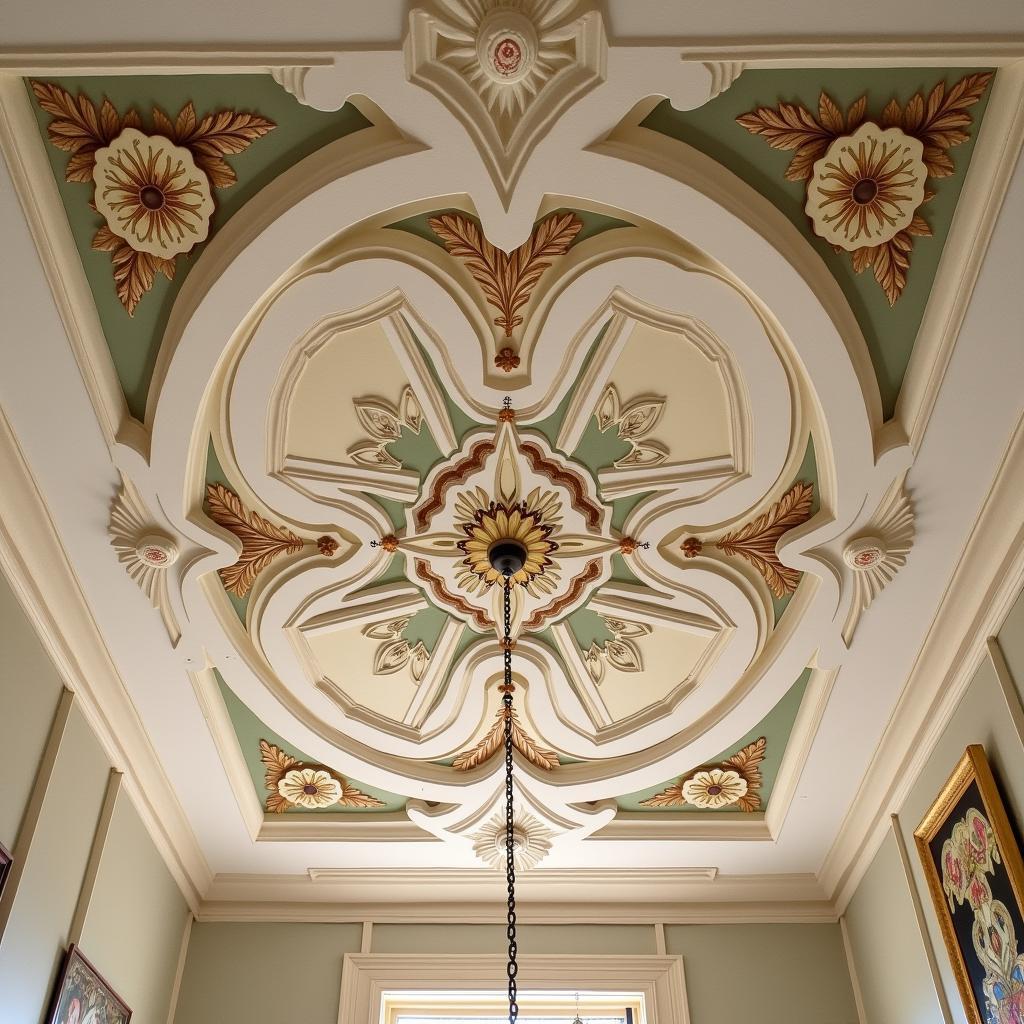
(494, 741)
(939, 121)
(262, 541)
(756, 542)
(747, 763)
(506, 279)
(277, 764)
(78, 128)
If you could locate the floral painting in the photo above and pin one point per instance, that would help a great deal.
(83, 997)
(976, 879)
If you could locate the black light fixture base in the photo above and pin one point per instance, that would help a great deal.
(507, 557)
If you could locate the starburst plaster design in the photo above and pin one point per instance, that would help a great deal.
(736, 781)
(155, 191)
(879, 552)
(294, 784)
(507, 69)
(866, 180)
(531, 841)
(145, 551)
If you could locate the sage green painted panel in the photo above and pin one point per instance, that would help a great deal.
(416, 452)
(768, 973)
(425, 626)
(712, 128)
(136, 917)
(30, 683)
(1011, 641)
(37, 931)
(776, 727)
(888, 955)
(264, 973)
(249, 730)
(300, 131)
(629, 939)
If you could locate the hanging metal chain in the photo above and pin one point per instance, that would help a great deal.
(513, 967)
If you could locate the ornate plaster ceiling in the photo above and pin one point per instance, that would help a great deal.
(346, 324)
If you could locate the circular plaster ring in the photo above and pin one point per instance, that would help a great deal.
(864, 553)
(506, 46)
(156, 550)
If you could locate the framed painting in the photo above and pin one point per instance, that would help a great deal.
(83, 997)
(976, 879)
(6, 860)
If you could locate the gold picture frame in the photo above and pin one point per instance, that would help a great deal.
(975, 875)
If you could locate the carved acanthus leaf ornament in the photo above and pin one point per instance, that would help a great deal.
(736, 781)
(384, 423)
(154, 190)
(495, 738)
(395, 652)
(294, 784)
(866, 179)
(634, 422)
(620, 652)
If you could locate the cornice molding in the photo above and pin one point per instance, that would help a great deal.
(33, 559)
(987, 580)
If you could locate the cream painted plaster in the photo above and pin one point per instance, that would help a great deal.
(981, 717)
(669, 658)
(695, 421)
(22, 736)
(355, 364)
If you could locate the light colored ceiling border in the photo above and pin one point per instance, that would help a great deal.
(34, 561)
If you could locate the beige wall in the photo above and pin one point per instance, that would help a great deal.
(80, 875)
(889, 953)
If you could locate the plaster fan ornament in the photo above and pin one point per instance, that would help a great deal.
(531, 841)
(293, 784)
(145, 552)
(867, 179)
(154, 189)
(394, 651)
(734, 782)
(507, 69)
(152, 194)
(878, 553)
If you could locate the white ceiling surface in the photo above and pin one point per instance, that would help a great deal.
(42, 395)
(60, 26)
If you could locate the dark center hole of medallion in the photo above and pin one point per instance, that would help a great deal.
(310, 790)
(507, 557)
(864, 191)
(151, 197)
(714, 790)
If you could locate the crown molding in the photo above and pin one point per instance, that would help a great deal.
(869, 52)
(986, 582)
(34, 561)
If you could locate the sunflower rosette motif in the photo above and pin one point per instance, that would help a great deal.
(509, 486)
(152, 194)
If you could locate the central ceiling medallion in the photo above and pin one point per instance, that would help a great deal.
(508, 502)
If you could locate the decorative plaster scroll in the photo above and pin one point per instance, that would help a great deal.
(723, 74)
(879, 552)
(506, 279)
(384, 423)
(293, 80)
(736, 781)
(634, 422)
(445, 597)
(492, 743)
(507, 71)
(531, 841)
(621, 652)
(154, 191)
(866, 180)
(434, 502)
(295, 785)
(395, 652)
(262, 541)
(560, 604)
(756, 542)
(566, 478)
(145, 552)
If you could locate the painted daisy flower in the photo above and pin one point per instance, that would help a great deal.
(501, 522)
(714, 787)
(152, 194)
(866, 187)
(309, 787)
